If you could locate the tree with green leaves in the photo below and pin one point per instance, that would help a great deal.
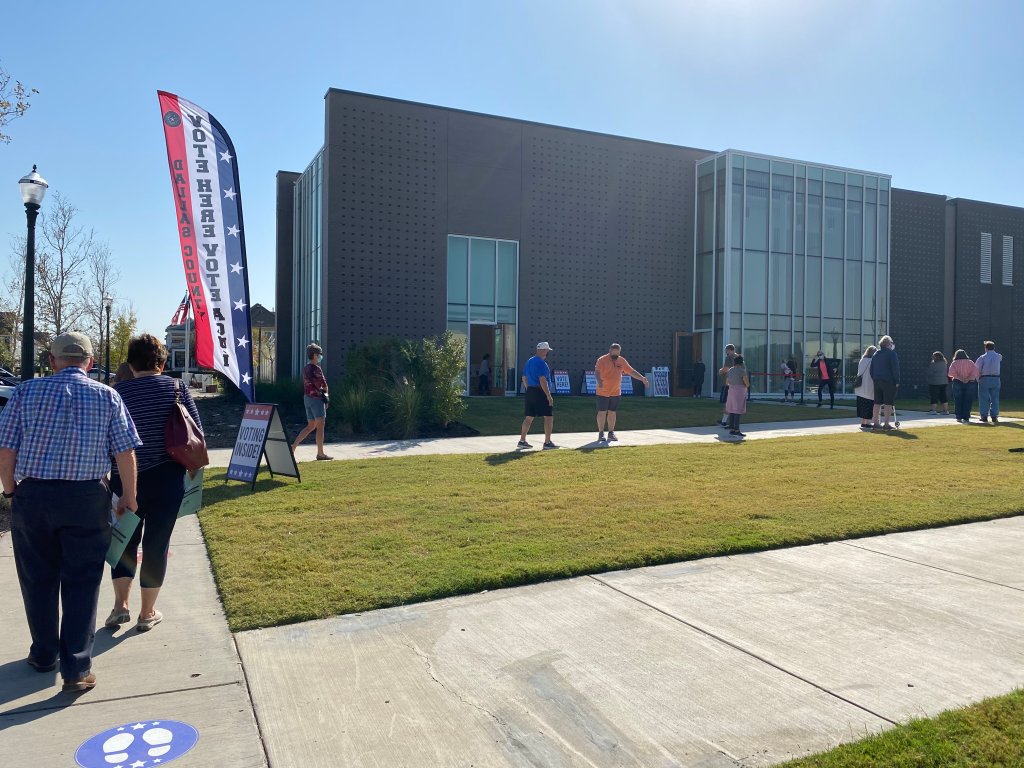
(121, 331)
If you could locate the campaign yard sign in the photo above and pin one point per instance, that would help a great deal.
(659, 381)
(261, 434)
(562, 386)
(627, 384)
(589, 385)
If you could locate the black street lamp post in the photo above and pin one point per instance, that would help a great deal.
(108, 302)
(33, 189)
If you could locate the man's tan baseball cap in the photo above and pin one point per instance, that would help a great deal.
(73, 346)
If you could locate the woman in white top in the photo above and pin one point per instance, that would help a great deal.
(866, 391)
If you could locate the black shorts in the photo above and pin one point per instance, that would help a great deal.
(537, 402)
(608, 403)
(938, 393)
(885, 392)
(865, 408)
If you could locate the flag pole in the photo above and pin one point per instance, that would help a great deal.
(188, 339)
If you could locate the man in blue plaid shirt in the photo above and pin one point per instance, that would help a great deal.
(57, 435)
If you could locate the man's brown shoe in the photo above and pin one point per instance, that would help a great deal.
(84, 683)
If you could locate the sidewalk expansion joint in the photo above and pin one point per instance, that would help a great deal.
(67, 701)
(252, 704)
(746, 651)
(934, 567)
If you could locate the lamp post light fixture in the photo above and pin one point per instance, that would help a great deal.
(33, 190)
(108, 302)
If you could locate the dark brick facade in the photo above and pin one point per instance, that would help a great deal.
(283, 287)
(605, 227)
(989, 311)
(917, 283)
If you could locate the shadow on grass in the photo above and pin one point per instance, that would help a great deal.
(217, 490)
(901, 434)
(497, 459)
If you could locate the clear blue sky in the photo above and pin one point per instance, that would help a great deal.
(927, 90)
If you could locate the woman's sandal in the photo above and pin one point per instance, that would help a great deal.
(117, 618)
(324, 457)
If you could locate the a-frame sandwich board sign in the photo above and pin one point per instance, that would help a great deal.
(261, 434)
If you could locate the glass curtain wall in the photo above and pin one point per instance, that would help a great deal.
(794, 259)
(483, 289)
(307, 261)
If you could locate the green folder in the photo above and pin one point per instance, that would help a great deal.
(192, 501)
(119, 535)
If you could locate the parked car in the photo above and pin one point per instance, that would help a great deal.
(9, 379)
(99, 373)
(5, 394)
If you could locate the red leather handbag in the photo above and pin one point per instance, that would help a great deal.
(183, 439)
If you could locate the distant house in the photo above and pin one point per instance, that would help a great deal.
(264, 326)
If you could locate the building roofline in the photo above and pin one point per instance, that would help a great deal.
(983, 202)
(514, 119)
(763, 156)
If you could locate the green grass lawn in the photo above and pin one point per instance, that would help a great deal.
(359, 535)
(984, 735)
(504, 415)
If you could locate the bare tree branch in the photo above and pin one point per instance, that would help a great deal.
(13, 101)
(60, 264)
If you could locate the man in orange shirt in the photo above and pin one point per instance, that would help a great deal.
(609, 369)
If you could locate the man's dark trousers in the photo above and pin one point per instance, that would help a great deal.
(60, 531)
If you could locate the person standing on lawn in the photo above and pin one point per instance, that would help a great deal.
(885, 372)
(736, 404)
(825, 379)
(937, 379)
(539, 402)
(787, 382)
(315, 398)
(57, 435)
(989, 368)
(609, 370)
(865, 391)
(964, 373)
(730, 355)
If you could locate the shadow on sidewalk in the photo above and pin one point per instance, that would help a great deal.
(20, 680)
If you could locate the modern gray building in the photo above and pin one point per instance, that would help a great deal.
(413, 219)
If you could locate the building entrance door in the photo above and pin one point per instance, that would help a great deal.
(498, 342)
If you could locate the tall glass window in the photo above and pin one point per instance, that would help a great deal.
(307, 261)
(805, 266)
(483, 290)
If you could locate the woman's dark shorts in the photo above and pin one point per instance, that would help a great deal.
(938, 393)
(537, 402)
(885, 392)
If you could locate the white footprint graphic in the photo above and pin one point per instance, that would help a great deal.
(160, 741)
(118, 744)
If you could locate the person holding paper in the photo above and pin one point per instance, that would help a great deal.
(57, 435)
(149, 398)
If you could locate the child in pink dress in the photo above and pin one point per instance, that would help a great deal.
(736, 402)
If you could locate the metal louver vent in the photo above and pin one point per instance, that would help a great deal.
(1007, 260)
(986, 257)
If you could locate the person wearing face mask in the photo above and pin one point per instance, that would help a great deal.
(314, 391)
(821, 366)
(609, 370)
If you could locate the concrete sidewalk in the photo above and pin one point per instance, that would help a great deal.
(745, 660)
(186, 668)
(575, 440)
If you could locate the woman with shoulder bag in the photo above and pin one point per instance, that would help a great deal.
(315, 399)
(150, 399)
